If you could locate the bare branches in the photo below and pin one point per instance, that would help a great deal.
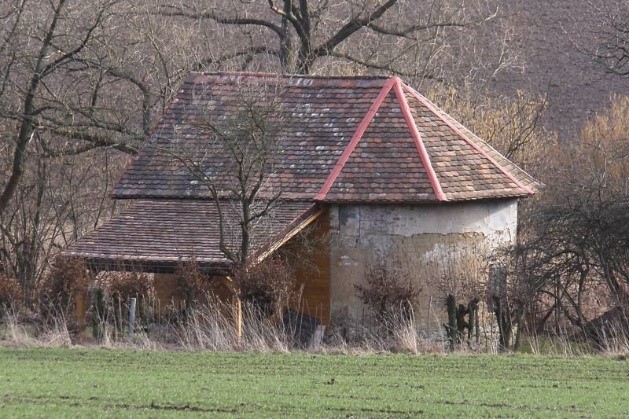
(613, 50)
(245, 52)
(250, 139)
(67, 79)
(235, 162)
(41, 72)
(307, 31)
(187, 12)
(575, 244)
(73, 80)
(410, 32)
(27, 128)
(351, 27)
(94, 141)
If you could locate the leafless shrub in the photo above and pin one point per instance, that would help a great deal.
(268, 287)
(67, 277)
(65, 286)
(192, 284)
(389, 292)
(10, 294)
(573, 246)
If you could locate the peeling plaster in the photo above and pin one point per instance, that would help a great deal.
(428, 241)
(436, 254)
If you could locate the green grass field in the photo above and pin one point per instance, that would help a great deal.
(101, 382)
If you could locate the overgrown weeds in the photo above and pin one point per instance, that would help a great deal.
(213, 326)
(261, 312)
(16, 329)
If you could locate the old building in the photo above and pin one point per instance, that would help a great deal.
(367, 162)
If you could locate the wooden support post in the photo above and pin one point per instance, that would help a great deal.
(238, 319)
(81, 299)
(237, 309)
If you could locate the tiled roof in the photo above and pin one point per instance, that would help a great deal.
(157, 234)
(343, 140)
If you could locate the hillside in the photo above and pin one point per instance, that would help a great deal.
(552, 32)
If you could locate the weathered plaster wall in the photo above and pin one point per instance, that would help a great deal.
(439, 247)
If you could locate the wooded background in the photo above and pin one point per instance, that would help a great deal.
(82, 83)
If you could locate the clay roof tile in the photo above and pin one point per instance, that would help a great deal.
(343, 139)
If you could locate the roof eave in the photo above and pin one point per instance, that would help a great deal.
(290, 231)
(99, 263)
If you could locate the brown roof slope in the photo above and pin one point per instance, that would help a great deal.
(465, 170)
(343, 139)
(159, 233)
(385, 164)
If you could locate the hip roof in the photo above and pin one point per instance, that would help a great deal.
(343, 139)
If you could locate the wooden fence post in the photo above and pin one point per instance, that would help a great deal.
(131, 318)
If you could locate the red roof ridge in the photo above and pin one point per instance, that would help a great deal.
(423, 154)
(437, 111)
(358, 134)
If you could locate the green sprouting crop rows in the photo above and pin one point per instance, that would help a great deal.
(74, 382)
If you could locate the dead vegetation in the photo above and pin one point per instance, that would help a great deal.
(10, 295)
(389, 292)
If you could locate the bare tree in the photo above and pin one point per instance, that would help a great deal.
(297, 34)
(235, 165)
(67, 88)
(576, 245)
(58, 200)
(61, 87)
(237, 162)
(612, 50)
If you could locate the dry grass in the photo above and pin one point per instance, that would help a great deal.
(615, 340)
(16, 331)
(611, 340)
(212, 327)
